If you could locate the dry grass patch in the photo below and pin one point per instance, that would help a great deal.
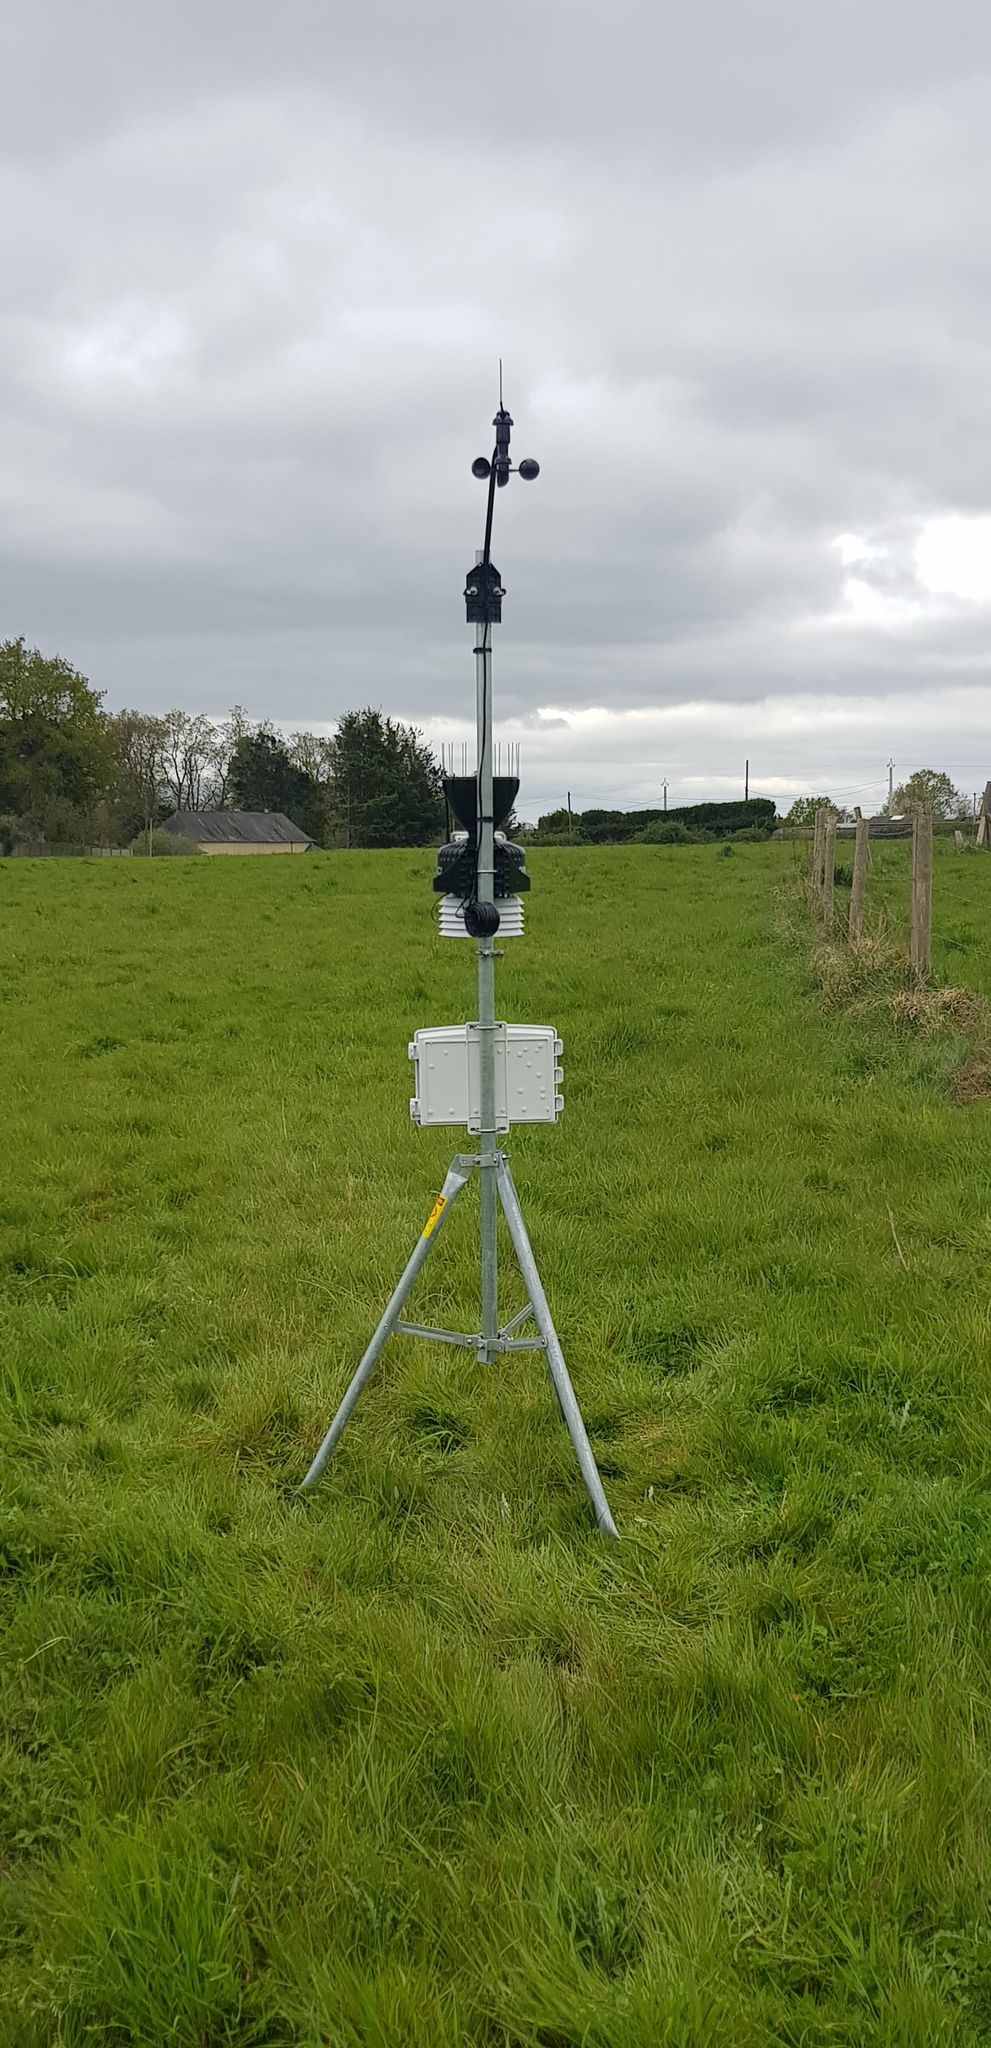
(971, 1081)
(930, 1010)
(873, 981)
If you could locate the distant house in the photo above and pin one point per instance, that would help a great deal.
(239, 831)
(882, 827)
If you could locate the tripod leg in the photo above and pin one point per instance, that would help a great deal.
(555, 1356)
(458, 1173)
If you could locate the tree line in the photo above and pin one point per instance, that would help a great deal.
(927, 793)
(72, 773)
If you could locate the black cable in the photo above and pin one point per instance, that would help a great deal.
(471, 887)
(470, 893)
(486, 651)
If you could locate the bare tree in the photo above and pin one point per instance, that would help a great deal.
(138, 741)
(187, 759)
(311, 752)
(226, 736)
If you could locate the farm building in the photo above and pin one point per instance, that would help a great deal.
(882, 827)
(239, 831)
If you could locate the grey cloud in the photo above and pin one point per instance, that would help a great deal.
(260, 269)
(674, 86)
(543, 721)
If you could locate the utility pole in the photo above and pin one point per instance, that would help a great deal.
(571, 822)
(665, 792)
(746, 783)
(891, 780)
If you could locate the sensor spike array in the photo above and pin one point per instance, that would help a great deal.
(507, 757)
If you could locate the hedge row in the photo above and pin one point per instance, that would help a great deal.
(715, 820)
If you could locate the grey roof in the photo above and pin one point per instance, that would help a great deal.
(226, 828)
(882, 827)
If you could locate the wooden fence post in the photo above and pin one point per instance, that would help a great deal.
(984, 820)
(861, 856)
(815, 871)
(922, 894)
(828, 865)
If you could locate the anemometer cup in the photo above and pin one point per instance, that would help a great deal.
(527, 469)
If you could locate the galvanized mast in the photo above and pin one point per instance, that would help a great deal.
(486, 951)
(463, 1071)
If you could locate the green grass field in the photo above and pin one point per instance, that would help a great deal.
(420, 1759)
(961, 906)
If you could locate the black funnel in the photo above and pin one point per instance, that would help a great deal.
(461, 792)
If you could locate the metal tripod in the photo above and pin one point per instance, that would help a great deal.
(495, 1180)
(458, 1175)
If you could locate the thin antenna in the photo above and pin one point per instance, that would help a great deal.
(500, 383)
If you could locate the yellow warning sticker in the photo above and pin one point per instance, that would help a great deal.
(435, 1215)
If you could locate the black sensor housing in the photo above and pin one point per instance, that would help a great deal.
(483, 595)
(457, 861)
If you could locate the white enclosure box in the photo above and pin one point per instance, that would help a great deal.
(446, 1075)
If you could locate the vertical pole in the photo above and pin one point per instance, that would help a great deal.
(891, 780)
(746, 783)
(571, 822)
(861, 855)
(815, 871)
(922, 894)
(984, 817)
(485, 948)
(828, 865)
(665, 792)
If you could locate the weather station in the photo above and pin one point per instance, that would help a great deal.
(486, 1075)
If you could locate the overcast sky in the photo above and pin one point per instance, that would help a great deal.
(260, 262)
